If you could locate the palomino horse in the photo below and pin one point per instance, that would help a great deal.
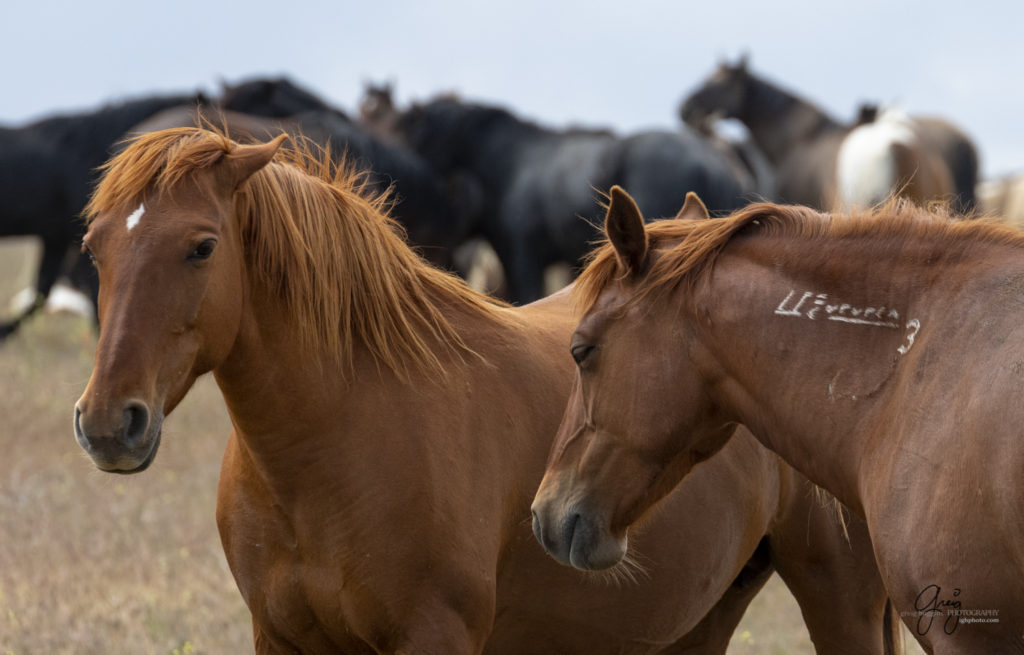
(803, 143)
(891, 376)
(1004, 197)
(390, 426)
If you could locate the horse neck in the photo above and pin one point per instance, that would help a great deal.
(492, 150)
(285, 402)
(808, 347)
(284, 399)
(778, 120)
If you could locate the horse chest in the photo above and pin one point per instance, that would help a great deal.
(296, 601)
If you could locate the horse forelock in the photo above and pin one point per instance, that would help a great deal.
(315, 235)
(683, 251)
(155, 160)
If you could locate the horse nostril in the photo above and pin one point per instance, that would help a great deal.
(569, 528)
(136, 422)
(78, 422)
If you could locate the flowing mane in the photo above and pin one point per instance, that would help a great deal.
(687, 249)
(314, 234)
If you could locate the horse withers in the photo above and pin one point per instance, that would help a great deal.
(390, 426)
(878, 354)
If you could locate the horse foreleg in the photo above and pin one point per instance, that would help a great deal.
(832, 573)
(442, 631)
(54, 252)
(713, 633)
(524, 264)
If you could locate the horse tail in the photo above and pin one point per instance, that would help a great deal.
(871, 164)
(964, 169)
(907, 176)
(892, 640)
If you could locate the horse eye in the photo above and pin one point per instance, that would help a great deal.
(88, 253)
(580, 352)
(203, 250)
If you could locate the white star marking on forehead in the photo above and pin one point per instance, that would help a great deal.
(135, 216)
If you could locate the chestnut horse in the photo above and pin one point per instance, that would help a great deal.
(390, 427)
(890, 375)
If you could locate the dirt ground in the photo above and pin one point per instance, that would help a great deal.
(99, 563)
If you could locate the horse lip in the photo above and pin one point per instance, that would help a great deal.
(150, 456)
(589, 545)
(569, 533)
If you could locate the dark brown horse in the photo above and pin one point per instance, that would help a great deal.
(931, 160)
(390, 427)
(891, 376)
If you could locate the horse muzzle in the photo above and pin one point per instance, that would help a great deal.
(120, 440)
(575, 538)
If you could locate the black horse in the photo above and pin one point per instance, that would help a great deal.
(540, 186)
(47, 169)
(424, 203)
(273, 97)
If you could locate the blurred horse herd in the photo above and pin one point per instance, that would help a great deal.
(463, 173)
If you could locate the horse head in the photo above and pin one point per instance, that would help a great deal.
(723, 95)
(617, 450)
(169, 257)
(377, 109)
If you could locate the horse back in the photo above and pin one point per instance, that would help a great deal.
(33, 186)
(660, 168)
(807, 174)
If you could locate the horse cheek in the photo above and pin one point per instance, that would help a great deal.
(218, 321)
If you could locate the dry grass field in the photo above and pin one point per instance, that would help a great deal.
(96, 563)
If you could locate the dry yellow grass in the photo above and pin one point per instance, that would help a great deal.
(97, 563)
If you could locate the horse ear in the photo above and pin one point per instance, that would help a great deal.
(243, 161)
(693, 208)
(744, 61)
(625, 228)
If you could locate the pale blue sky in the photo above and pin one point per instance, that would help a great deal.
(601, 63)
